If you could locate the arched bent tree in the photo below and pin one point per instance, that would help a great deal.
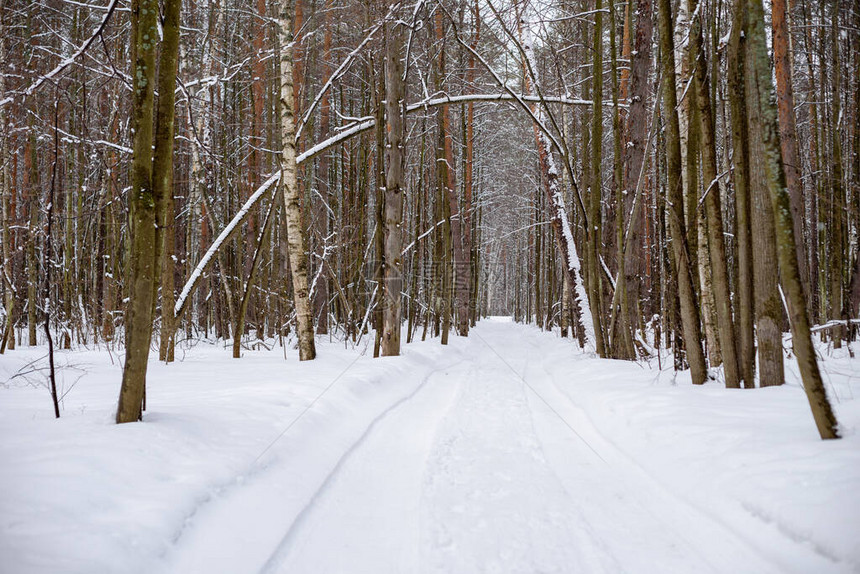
(271, 184)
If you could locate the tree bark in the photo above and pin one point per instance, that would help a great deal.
(460, 275)
(395, 98)
(296, 235)
(686, 294)
(468, 175)
(634, 150)
(621, 339)
(816, 393)
(716, 238)
(33, 191)
(7, 282)
(138, 319)
(595, 294)
(788, 129)
(768, 303)
(741, 178)
(162, 171)
(837, 239)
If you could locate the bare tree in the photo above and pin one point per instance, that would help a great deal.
(395, 102)
(295, 230)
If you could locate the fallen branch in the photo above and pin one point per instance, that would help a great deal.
(833, 324)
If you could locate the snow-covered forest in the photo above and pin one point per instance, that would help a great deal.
(429, 286)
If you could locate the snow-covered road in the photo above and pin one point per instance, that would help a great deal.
(488, 467)
(508, 451)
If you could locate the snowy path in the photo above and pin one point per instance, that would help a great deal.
(476, 473)
(508, 451)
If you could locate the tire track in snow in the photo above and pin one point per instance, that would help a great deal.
(281, 554)
(494, 504)
(710, 544)
(237, 523)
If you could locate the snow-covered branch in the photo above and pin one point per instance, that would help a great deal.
(225, 235)
(111, 8)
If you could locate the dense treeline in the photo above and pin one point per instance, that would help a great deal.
(643, 174)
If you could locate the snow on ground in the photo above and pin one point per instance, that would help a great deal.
(509, 451)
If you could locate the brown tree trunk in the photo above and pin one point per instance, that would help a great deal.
(33, 189)
(379, 209)
(460, 259)
(395, 103)
(468, 167)
(162, 171)
(675, 214)
(7, 282)
(816, 393)
(595, 295)
(320, 213)
(741, 178)
(768, 304)
(138, 316)
(634, 151)
(788, 129)
(716, 238)
(837, 239)
(621, 337)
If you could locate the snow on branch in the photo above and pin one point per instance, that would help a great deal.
(442, 100)
(347, 62)
(362, 126)
(111, 8)
(225, 234)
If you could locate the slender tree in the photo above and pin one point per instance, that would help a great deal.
(822, 412)
(138, 316)
(712, 200)
(675, 213)
(395, 103)
(292, 200)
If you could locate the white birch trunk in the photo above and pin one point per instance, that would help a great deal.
(292, 201)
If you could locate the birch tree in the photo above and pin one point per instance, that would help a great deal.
(296, 234)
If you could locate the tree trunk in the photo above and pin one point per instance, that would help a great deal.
(7, 283)
(296, 235)
(33, 190)
(716, 238)
(138, 319)
(460, 269)
(595, 295)
(379, 208)
(468, 175)
(621, 340)
(634, 152)
(741, 178)
(837, 239)
(686, 294)
(788, 129)
(816, 393)
(320, 213)
(768, 304)
(162, 171)
(395, 102)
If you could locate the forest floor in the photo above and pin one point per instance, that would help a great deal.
(507, 451)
